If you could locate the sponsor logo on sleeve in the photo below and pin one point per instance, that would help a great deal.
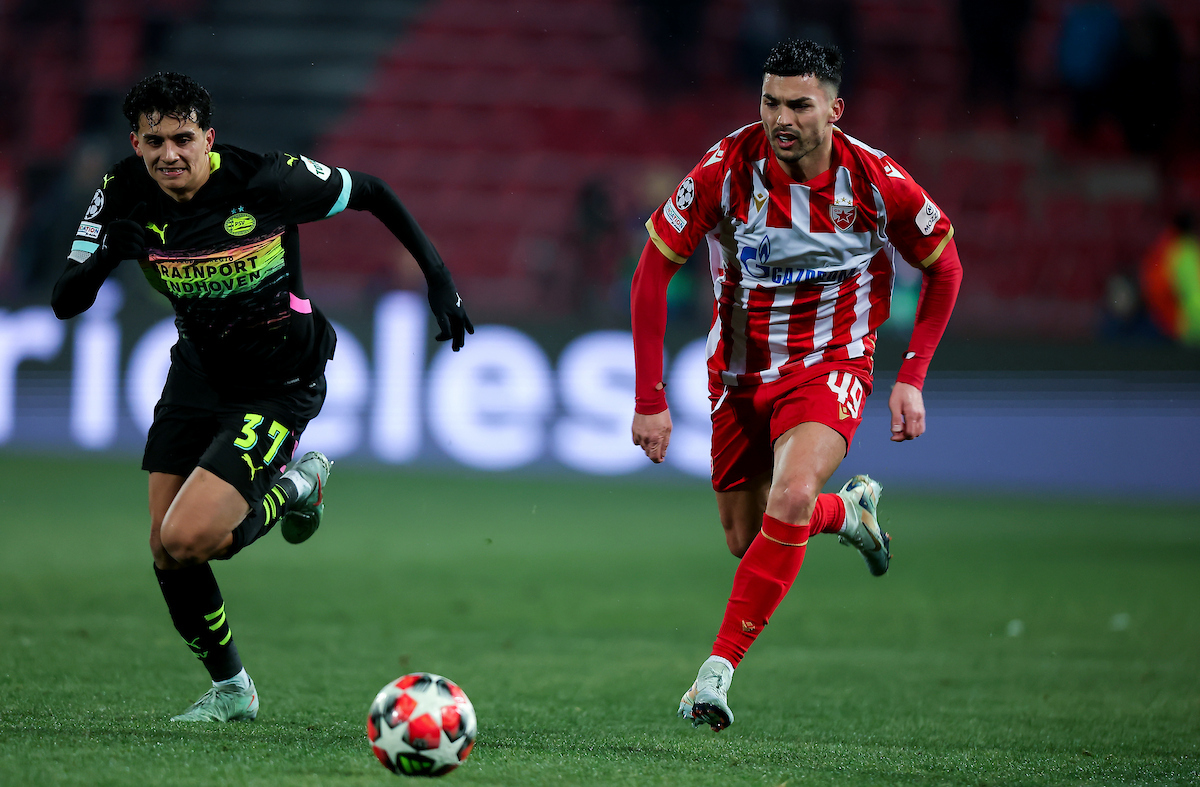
(892, 172)
(672, 215)
(316, 168)
(717, 155)
(685, 194)
(96, 206)
(88, 230)
(928, 216)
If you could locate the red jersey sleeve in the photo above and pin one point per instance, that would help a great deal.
(696, 207)
(916, 226)
(923, 235)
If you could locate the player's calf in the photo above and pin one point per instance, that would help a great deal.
(296, 502)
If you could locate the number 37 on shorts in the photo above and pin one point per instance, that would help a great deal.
(849, 392)
(276, 433)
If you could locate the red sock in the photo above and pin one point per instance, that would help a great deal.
(762, 579)
(829, 514)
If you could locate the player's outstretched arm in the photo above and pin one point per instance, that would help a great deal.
(75, 291)
(371, 194)
(939, 290)
(648, 307)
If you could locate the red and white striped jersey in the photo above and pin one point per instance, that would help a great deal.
(802, 272)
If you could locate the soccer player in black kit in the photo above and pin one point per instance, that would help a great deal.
(213, 228)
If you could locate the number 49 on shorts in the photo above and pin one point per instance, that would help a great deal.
(849, 392)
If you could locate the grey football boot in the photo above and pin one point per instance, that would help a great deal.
(304, 518)
(223, 703)
(861, 496)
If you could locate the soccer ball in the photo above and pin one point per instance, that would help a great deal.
(421, 725)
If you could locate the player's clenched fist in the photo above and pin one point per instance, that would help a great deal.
(653, 434)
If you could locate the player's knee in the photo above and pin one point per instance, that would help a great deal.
(161, 558)
(183, 546)
(792, 503)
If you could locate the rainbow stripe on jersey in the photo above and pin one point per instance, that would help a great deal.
(218, 274)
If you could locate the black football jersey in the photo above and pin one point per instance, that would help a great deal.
(228, 260)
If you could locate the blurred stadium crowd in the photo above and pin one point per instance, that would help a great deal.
(532, 138)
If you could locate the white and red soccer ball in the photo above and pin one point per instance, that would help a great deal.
(421, 725)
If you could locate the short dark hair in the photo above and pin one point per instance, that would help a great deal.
(169, 94)
(795, 58)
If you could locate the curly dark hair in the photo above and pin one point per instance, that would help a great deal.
(169, 94)
(795, 58)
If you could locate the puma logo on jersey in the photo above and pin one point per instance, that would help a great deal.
(459, 299)
(107, 178)
(759, 201)
(253, 469)
(161, 233)
(291, 160)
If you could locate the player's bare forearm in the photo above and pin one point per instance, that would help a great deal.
(653, 434)
(908, 412)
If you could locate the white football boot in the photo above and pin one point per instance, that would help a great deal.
(861, 529)
(687, 701)
(704, 702)
(223, 703)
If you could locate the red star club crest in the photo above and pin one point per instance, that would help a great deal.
(842, 215)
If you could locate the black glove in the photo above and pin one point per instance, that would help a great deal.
(124, 239)
(448, 311)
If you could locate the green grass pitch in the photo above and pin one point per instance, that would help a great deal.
(575, 612)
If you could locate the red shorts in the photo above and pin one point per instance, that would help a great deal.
(747, 420)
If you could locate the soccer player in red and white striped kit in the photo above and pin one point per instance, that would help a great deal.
(804, 226)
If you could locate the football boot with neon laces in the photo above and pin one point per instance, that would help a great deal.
(704, 702)
(223, 703)
(304, 518)
(861, 496)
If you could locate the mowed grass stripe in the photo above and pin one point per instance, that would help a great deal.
(575, 612)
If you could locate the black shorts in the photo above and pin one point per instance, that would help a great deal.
(243, 439)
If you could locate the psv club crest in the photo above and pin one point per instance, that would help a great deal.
(842, 212)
